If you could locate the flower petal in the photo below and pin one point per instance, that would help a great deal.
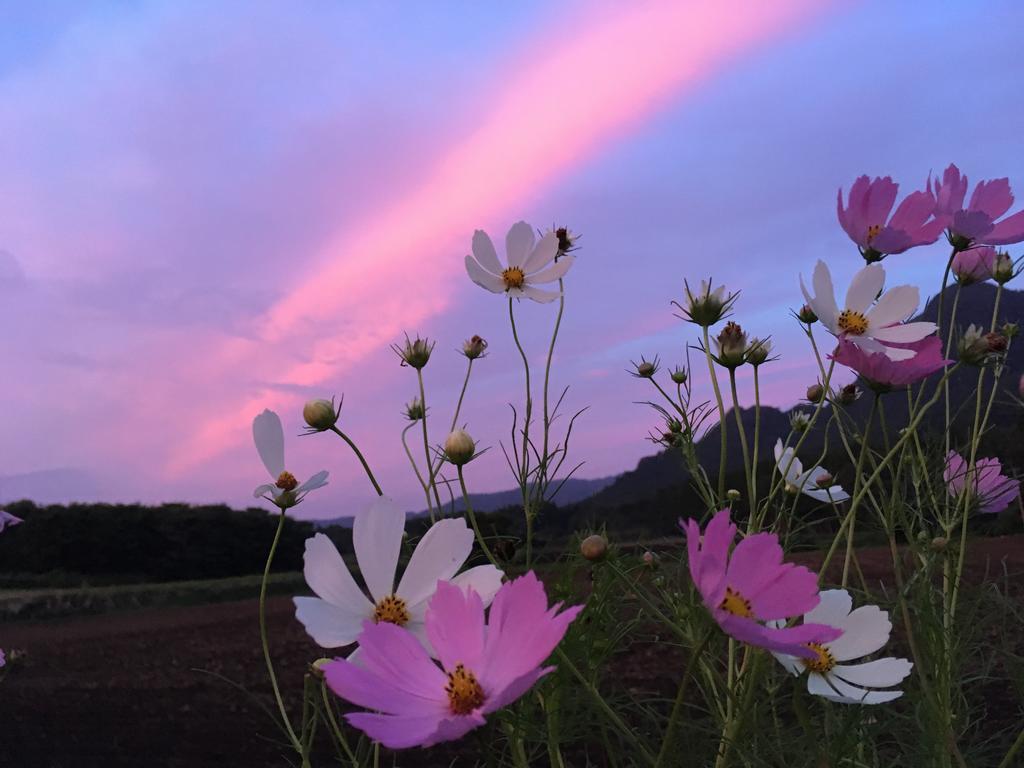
(539, 295)
(319, 480)
(824, 300)
(552, 273)
(881, 673)
(438, 556)
(377, 539)
(485, 580)
(545, 251)
(864, 288)
(906, 333)
(329, 577)
(864, 631)
(268, 434)
(483, 278)
(401, 732)
(455, 626)
(895, 306)
(483, 250)
(518, 243)
(835, 689)
(330, 626)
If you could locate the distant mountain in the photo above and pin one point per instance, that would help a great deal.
(574, 490)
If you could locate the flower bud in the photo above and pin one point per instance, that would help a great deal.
(675, 426)
(758, 351)
(806, 315)
(679, 375)
(1004, 269)
(566, 239)
(824, 480)
(414, 410)
(415, 352)
(939, 544)
(848, 394)
(997, 342)
(973, 347)
(474, 347)
(645, 369)
(733, 495)
(799, 421)
(650, 560)
(706, 307)
(791, 489)
(319, 665)
(459, 447)
(815, 393)
(732, 345)
(974, 265)
(594, 547)
(320, 414)
(1010, 330)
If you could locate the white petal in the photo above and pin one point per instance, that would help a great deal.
(824, 301)
(485, 580)
(438, 556)
(483, 249)
(483, 278)
(377, 539)
(904, 334)
(897, 354)
(845, 693)
(790, 663)
(268, 434)
(864, 631)
(329, 577)
(833, 494)
(319, 480)
(834, 607)
(873, 346)
(895, 306)
(881, 673)
(865, 287)
(790, 466)
(262, 490)
(518, 243)
(539, 295)
(545, 251)
(552, 273)
(328, 625)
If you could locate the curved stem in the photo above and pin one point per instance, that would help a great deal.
(542, 475)
(362, 459)
(462, 394)
(668, 743)
(426, 450)
(265, 642)
(472, 519)
(525, 459)
(415, 468)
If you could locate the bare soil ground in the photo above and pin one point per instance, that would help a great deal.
(126, 689)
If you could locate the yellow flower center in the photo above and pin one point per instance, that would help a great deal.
(286, 481)
(464, 692)
(391, 610)
(736, 604)
(853, 323)
(513, 277)
(873, 231)
(823, 662)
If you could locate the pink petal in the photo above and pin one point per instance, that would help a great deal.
(993, 197)
(879, 202)
(363, 688)
(1008, 231)
(396, 656)
(401, 732)
(455, 626)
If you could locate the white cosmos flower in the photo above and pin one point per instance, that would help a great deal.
(335, 617)
(792, 469)
(285, 491)
(527, 263)
(865, 631)
(871, 325)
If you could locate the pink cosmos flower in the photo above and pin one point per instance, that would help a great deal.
(975, 265)
(484, 665)
(883, 373)
(866, 218)
(993, 489)
(977, 222)
(7, 519)
(752, 586)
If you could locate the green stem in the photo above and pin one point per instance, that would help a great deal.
(426, 450)
(333, 722)
(723, 450)
(462, 394)
(757, 441)
(525, 458)
(668, 743)
(1007, 761)
(362, 459)
(472, 519)
(949, 343)
(626, 732)
(265, 642)
(542, 474)
(864, 448)
(743, 444)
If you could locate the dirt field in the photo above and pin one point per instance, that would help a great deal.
(125, 690)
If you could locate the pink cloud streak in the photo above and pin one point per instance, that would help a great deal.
(562, 98)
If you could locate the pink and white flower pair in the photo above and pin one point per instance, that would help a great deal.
(485, 664)
(745, 589)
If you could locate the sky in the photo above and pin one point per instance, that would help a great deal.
(211, 209)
